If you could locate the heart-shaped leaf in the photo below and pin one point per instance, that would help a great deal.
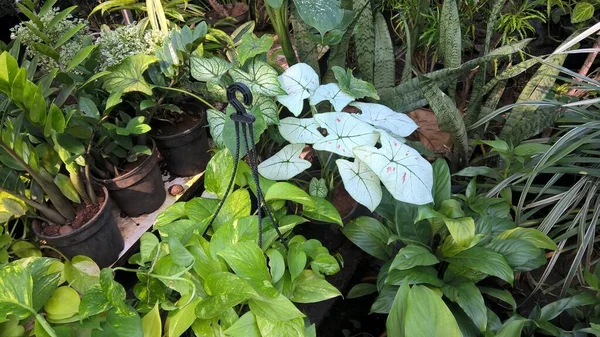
(401, 169)
(362, 184)
(216, 122)
(268, 108)
(128, 75)
(386, 118)
(300, 130)
(261, 78)
(252, 46)
(332, 93)
(285, 164)
(299, 82)
(324, 15)
(344, 133)
(208, 69)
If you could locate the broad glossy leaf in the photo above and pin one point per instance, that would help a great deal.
(218, 173)
(323, 15)
(427, 315)
(179, 254)
(412, 256)
(300, 130)
(296, 260)
(331, 92)
(148, 245)
(299, 82)
(179, 321)
(152, 323)
(520, 254)
(285, 164)
(401, 169)
(362, 184)
(216, 122)
(261, 78)
(324, 263)
(15, 292)
(441, 182)
(252, 46)
(361, 289)
(276, 264)
(512, 327)
(225, 291)
(385, 118)
(371, 236)
(352, 85)
(279, 308)
(582, 11)
(288, 328)
(323, 211)
(63, 304)
(344, 133)
(309, 288)
(236, 206)
(531, 235)
(395, 322)
(469, 298)
(125, 325)
(81, 273)
(503, 295)
(552, 310)
(484, 260)
(248, 262)
(462, 230)
(245, 326)
(208, 69)
(287, 191)
(93, 302)
(114, 291)
(128, 76)
(232, 232)
(66, 187)
(415, 275)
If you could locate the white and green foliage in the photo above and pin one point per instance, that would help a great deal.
(207, 280)
(55, 36)
(62, 298)
(475, 240)
(400, 168)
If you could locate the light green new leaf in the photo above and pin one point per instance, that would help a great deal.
(427, 315)
(310, 288)
(81, 273)
(582, 11)
(396, 319)
(66, 187)
(331, 92)
(462, 230)
(385, 118)
(276, 264)
(362, 184)
(287, 328)
(128, 76)
(322, 210)
(225, 291)
(236, 206)
(285, 164)
(287, 191)
(407, 176)
(152, 324)
(469, 298)
(245, 326)
(208, 69)
(531, 235)
(279, 308)
(232, 232)
(344, 133)
(371, 236)
(300, 130)
(261, 78)
(179, 321)
(299, 82)
(411, 256)
(148, 245)
(63, 304)
(252, 46)
(484, 260)
(296, 260)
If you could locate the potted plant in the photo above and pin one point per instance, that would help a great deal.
(76, 215)
(227, 16)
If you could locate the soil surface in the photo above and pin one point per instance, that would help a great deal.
(130, 166)
(83, 214)
(181, 123)
(235, 10)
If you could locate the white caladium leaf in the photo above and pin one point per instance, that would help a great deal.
(300, 130)
(401, 169)
(360, 182)
(332, 93)
(344, 133)
(261, 78)
(285, 164)
(386, 118)
(208, 69)
(299, 82)
(216, 122)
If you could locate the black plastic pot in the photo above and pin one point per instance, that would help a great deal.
(141, 190)
(186, 153)
(99, 238)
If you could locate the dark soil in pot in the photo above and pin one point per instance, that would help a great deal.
(183, 144)
(139, 189)
(93, 233)
(238, 12)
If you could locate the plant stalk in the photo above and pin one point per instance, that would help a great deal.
(48, 212)
(279, 19)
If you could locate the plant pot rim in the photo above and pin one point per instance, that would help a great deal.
(184, 132)
(40, 235)
(137, 169)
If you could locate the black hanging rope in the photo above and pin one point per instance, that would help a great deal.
(242, 119)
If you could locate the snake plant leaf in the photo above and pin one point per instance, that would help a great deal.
(128, 76)
(362, 184)
(285, 164)
(450, 39)
(407, 176)
(386, 118)
(300, 130)
(331, 92)
(210, 69)
(344, 133)
(323, 15)
(261, 78)
(299, 82)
